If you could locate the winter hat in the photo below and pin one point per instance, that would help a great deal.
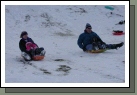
(23, 33)
(88, 25)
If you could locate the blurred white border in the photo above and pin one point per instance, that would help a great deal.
(126, 84)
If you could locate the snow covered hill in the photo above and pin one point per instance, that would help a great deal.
(56, 28)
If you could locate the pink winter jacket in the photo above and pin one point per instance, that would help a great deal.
(30, 46)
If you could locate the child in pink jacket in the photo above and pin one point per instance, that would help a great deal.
(30, 45)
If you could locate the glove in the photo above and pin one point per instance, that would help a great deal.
(84, 48)
(103, 43)
(100, 41)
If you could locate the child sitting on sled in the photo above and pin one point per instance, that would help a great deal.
(28, 48)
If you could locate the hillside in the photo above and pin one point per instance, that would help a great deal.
(57, 28)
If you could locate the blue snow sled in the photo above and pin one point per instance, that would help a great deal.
(109, 7)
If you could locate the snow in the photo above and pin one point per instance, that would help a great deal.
(57, 28)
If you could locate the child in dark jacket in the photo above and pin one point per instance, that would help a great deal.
(28, 48)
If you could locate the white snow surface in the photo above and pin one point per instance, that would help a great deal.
(57, 28)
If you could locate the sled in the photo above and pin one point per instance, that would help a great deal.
(109, 7)
(38, 57)
(118, 32)
(96, 51)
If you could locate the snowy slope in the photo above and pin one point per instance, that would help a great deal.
(56, 28)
